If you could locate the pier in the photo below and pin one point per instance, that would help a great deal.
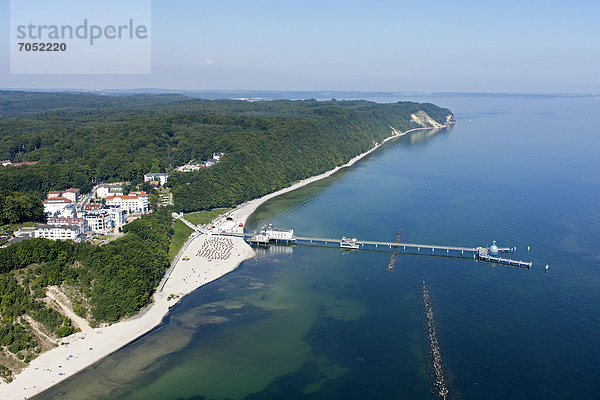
(486, 254)
(474, 253)
(405, 248)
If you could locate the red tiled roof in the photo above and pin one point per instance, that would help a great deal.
(25, 163)
(131, 196)
(54, 199)
(122, 197)
(66, 220)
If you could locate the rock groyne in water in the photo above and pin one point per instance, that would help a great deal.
(435, 347)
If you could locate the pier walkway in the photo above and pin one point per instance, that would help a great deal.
(411, 248)
(474, 253)
(196, 228)
(485, 256)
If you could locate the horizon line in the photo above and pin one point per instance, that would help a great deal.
(378, 92)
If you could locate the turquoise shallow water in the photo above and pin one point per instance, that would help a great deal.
(319, 323)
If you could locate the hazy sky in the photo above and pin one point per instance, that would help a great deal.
(419, 45)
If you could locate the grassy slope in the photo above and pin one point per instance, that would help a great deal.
(204, 217)
(181, 232)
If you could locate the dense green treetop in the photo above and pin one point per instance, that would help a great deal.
(20, 207)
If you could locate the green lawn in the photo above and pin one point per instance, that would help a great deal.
(181, 232)
(16, 227)
(204, 217)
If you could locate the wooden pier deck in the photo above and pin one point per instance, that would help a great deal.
(475, 253)
(413, 248)
(506, 261)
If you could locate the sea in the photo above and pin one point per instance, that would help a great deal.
(318, 322)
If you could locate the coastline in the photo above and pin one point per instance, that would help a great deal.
(243, 211)
(83, 349)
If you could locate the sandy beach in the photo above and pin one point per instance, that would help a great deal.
(207, 258)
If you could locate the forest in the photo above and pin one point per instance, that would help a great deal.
(267, 145)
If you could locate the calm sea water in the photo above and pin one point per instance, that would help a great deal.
(319, 323)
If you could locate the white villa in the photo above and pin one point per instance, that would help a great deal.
(134, 202)
(58, 232)
(160, 177)
(109, 189)
(81, 223)
(54, 205)
(193, 166)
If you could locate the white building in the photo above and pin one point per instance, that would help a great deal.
(72, 194)
(189, 167)
(109, 189)
(134, 202)
(278, 234)
(99, 221)
(156, 176)
(217, 156)
(269, 232)
(54, 205)
(70, 211)
(117, 214)
(57, 232)
(81, 223)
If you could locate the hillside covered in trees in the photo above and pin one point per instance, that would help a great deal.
(267, 145)
(105, 283)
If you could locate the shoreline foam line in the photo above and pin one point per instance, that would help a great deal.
(55, 365)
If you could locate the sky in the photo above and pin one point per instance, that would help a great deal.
(542, 46)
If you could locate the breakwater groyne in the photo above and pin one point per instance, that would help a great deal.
(436, 355)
